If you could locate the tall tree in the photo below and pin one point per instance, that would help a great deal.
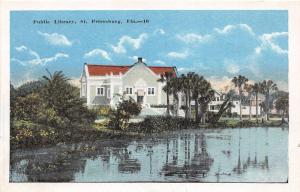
(206, 95)
(267, 87)
(282, 104)
(183, 87)
(249, 89)
(175, 88)
(64, 99)
(256, 90)
(196, 91)
(190, 84)
(167, 88)
(240, 82)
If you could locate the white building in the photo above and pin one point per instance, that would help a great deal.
(103, 84)
(216, 102)
(248, 107)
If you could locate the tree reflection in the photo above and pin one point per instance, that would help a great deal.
(195, 167)
(128, 164)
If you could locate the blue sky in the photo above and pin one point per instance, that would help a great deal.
(216, 44)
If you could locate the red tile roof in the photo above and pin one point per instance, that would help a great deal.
(95, 70)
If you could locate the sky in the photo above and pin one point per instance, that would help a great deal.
(216, 44)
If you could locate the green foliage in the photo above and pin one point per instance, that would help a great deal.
(50, 103)
(26, 133)
(30, 87)
(282, 103)
(102, 111)
(119, 118)
(154, 124)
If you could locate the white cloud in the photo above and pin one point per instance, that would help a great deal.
(231, 67)
(37, 60)
(21, 48)
(258, 50)
(135, 43)
(159, 31)
(56, 39)
(75, 82)
(267, 41)
(159, 62)
(98, 52)
(223, 84)
(194, 38)
(229, 28)
(178, 55)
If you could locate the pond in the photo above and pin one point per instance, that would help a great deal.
(196, 155)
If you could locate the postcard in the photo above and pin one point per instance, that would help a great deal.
(147, 96)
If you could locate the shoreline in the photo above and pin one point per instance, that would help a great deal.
(93, 133)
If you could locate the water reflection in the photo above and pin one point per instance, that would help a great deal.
(196, 166)
(229, 155)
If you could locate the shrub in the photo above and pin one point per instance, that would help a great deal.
(153, 124)
(119, 118)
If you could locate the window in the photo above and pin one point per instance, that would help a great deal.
(212, 107)
(129, 90)
(100, 91)
(218, 98)
(151, 91)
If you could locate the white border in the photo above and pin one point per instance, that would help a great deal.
(294, 71)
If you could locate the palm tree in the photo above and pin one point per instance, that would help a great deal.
(240, 82)
(256, 90)
(174, 89)
(167, 88)
(267, 87)
(206, 95)
(183, 87)
(249, 89)
(196, 91)
(190, 84)
(282, 104)
(54, 87)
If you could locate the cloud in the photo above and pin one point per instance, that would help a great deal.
(194, 38)
(229, 28)
(56, 39)
(231, 67)
(159, 31)
(21, 48)
(258, 50)
(135, 58)
(37, 60)
(159, 62)
(178, 55)
(268, 42)
(98, 52)
(222, 84)
(75, 82)
(135, 43)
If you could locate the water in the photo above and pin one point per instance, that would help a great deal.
(227, 155)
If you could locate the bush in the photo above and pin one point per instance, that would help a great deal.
(119, 118)
(154, 124)
(26, 133)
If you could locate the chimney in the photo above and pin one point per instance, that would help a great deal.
(140, 59)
